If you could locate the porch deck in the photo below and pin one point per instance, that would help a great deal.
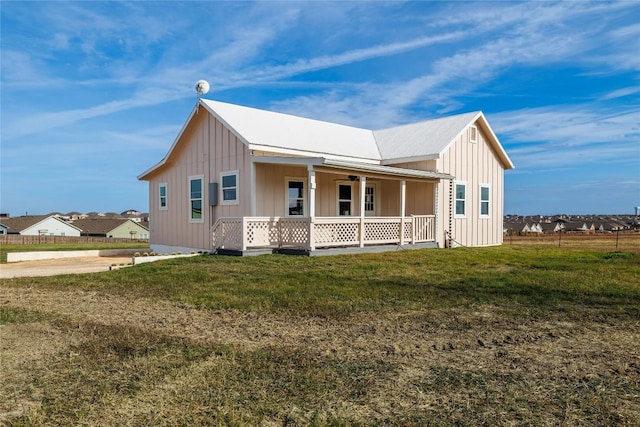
(328, 251)
(331, 234)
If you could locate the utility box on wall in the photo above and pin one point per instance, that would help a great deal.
(213, 193)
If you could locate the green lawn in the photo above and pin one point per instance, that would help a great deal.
(487, 336)
(537, 281)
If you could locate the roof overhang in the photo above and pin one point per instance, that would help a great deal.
(495, 143)
(284, 152)
(410, 159)
(358, 167)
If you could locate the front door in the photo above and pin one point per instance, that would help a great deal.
(370, 200)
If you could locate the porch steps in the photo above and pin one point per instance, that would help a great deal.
(248, 252)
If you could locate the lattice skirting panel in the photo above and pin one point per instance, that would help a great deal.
(336, 234)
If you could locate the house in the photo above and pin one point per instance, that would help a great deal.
(112, 227)
(518, 228)
(522, 229)
(552, 227)
(585, 228)
(240, 178)
(39, 225)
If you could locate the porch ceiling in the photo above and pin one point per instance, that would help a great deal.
(354, 167)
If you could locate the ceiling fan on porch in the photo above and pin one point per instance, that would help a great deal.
(351, 178)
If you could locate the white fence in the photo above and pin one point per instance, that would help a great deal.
(318, 232)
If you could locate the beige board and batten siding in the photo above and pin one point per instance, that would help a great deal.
(205, 148)
(271, 181)
(271, 192)
(475, 164)
(420, 196)
(270, 187)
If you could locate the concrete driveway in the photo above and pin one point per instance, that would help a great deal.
(54, 267)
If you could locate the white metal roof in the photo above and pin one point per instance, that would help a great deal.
(263, 129)
(417, 140)
(286, 134)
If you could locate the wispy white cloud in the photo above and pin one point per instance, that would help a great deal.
(73, 68)
(573, 125)
(151, 84)
(527, 38)
(527, 41)
(569, 135)
(24, 72)
(351, 56)
(450, 76)
(620, 93)
(151, 138)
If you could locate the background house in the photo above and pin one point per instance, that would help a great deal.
(39, 225)
(249, 174)
(112, 227)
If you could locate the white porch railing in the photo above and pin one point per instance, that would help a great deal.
(311, 233)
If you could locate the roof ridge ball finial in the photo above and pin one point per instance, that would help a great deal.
(202, 87)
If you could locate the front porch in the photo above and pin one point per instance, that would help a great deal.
(312, 233)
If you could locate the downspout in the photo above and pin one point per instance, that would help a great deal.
(449, 239)
(403, 204)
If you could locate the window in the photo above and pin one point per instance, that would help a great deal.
(473, 134)
(229, 188)
(344, 200)
(163, 196)
(484, 200)
(461, 199)
(295, 197)
(195, 199)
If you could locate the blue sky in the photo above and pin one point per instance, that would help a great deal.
(94, 93)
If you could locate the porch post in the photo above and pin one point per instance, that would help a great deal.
(363, 186)
(436, 211)
(312, 206)
(403, 203)
(252, 179)
(244, 233)
(312, 191)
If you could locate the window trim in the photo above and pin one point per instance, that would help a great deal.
(191, 200)
(473, 134)
(305, 209)
(488, 201)
(160, 197)
(235, 201)
(338, 199)
(455, 199)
